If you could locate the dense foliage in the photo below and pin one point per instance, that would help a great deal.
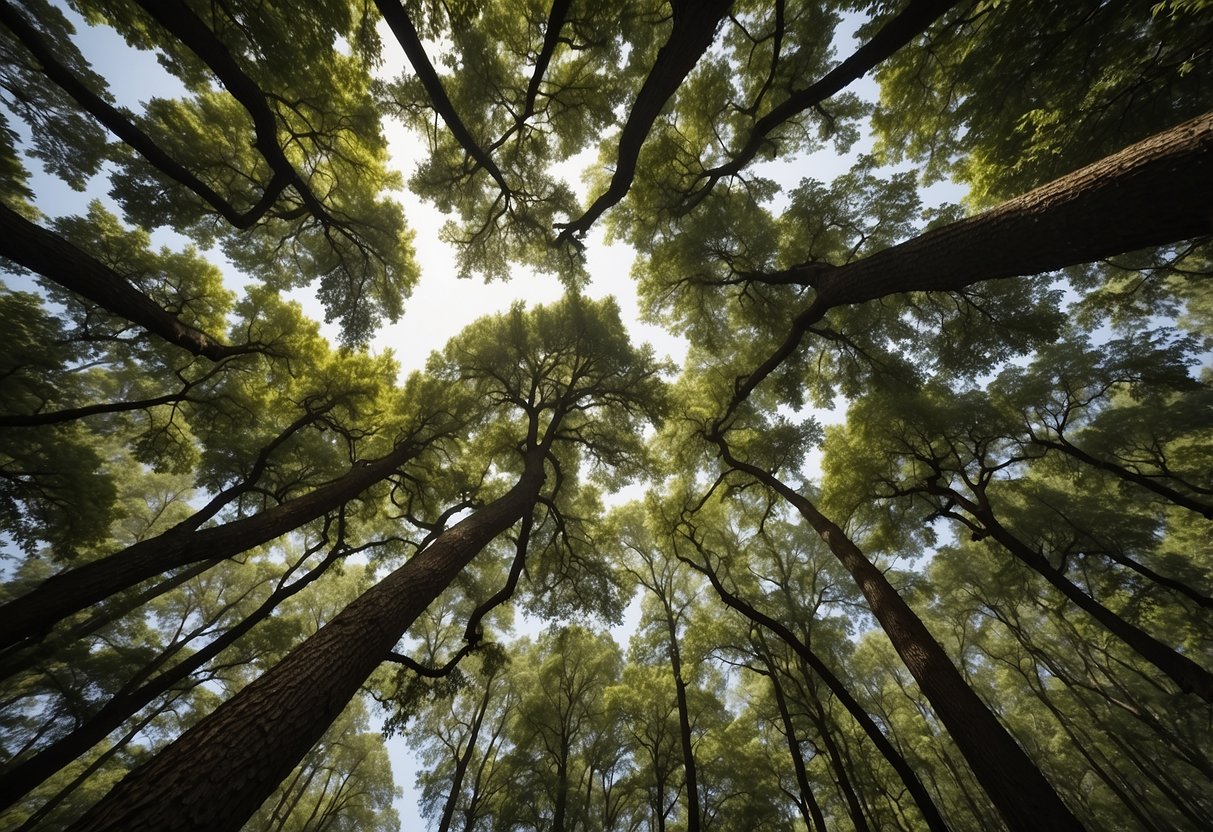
(917, 537)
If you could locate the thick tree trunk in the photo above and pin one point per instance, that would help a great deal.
(1014, 783)
(33, 614)
(134, 697)
(55, 258)
(216, 774)
(1151, 193)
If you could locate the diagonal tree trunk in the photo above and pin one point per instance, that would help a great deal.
(1014, 783)
(33, 614)
(56, 259)
(1151, 193)
(216, 774)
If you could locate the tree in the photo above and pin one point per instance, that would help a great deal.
(222, 526)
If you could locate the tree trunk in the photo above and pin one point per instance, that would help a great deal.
(1187, 674)
(35, 613)
(1064, 446)
(818, 717)
(809, 809)
(128, 702)
(216, 774)
(1149, 194)
(461, 765)
(694, 814)
(1014, 783)
(694, 29)
(905, 771)
(55, 258)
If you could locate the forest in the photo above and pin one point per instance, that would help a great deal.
(912, 529)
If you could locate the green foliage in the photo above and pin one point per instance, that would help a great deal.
(970, 442)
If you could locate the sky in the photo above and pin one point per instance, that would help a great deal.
(442, 303)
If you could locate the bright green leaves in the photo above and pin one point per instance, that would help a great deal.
(567, 373)
(565, 380)
(1001, 94)
(535, 117)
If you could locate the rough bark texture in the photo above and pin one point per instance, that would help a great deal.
(33, 614)
(55, 258)
(216, 774)
(1151, 193)
(1014, 783)
(134, 697)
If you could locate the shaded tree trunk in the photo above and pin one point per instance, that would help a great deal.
(809, 808)
(1014, 783)
(216, 774)
(35, 613)
(1185, 673)
(1151, 193)
(913, 785)
(55, 258)
(465, 759)
(129, 701)
(694, 813)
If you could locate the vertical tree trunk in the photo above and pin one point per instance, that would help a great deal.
(1014, 783)
(216, 774)
(809, 809)
(694, 814)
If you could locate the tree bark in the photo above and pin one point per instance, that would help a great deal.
(33, 614)
(56, 259)
(694, 813)
(130, 700)
(1014, 783)
(1149, 194)
(216, 774)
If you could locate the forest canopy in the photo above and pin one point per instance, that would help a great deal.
(914, 535)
